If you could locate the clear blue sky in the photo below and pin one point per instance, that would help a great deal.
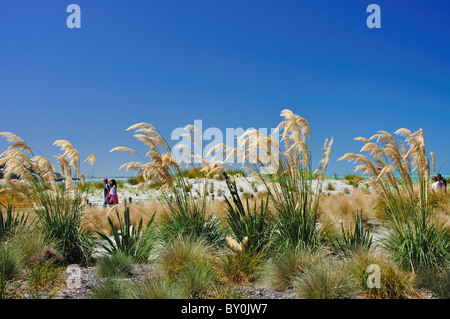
(229, 63)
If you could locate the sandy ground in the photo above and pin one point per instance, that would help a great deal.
(216, 190)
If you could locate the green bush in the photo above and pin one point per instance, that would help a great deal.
(417, 242)
(180, 252)
(353, 180)
(136, 180)
(241, 266)
(196, 280)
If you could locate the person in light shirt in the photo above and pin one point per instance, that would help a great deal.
(436, 186)
(443, 182)
(113, 192)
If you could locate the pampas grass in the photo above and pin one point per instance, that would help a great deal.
(289, 183)
(416, 238)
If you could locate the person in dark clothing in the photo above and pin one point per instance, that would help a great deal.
(106, 189)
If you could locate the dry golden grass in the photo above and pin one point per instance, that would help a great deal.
(335, 208)
(98, 216)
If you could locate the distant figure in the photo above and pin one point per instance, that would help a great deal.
(113, 199)
(106, 189)
(443, 182)
(436, 186)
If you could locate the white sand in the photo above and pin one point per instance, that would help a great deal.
(244, 186)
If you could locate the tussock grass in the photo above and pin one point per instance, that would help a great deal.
(177, 254)
(327, 279)
(341, 207)
(117, 264)
(240, 266)
(10, 263)
(435, 279)
(395, 283)
(110, 288)
(160, 287)
(281, 269)
(197, 279)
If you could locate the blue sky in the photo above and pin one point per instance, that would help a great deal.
(230, 64)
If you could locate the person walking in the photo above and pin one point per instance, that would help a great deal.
(114, 199)
(106, 189)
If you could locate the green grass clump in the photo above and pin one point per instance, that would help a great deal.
(12, 222)
(10, 263)
(435, 279)
(136, 180)
(241, 266)
(353, 180)
(189, 217)
(282, 268)
(157, 288)
(177, 254)
(327, 279)
(196, 280)
(117, 264)
(42, 275)
(109, 288)
(417, 242)
(395, 283)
